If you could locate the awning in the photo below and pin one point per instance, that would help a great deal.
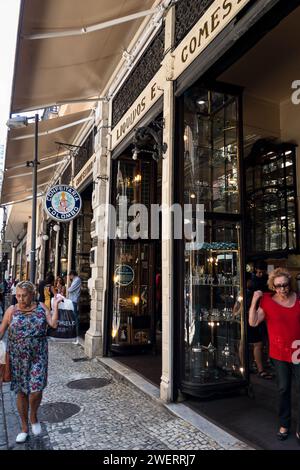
(58, 69)
(17, 216)
(17, 183)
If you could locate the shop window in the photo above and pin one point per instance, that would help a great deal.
(212, 288)
(271, 199)
(210, 151)
(133, 268)
(132, 294)
(213, 320)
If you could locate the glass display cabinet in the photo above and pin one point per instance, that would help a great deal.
(133, 313)
(271, 199)
(213, 330)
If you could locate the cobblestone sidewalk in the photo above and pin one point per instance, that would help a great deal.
(116, 416)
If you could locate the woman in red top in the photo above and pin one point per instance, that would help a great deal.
(281, 311)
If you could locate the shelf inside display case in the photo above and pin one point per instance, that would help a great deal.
(213, 325)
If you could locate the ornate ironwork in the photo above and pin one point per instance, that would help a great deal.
(66, 176)
(84, 153)
(149, 140)
(143, 72)
(187, 14)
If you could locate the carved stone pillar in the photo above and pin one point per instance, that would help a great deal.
(166, 385)
(94, 336)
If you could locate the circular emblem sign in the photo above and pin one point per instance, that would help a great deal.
(124, 275)
(63, 203)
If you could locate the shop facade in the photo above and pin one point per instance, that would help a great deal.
(216, 134)
(65, 246)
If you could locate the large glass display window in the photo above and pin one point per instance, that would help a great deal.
(213, 330)
(271, 199)
(133, 271)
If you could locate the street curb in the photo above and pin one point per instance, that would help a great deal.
(223, 438)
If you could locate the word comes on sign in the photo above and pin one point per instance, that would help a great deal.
(63, 203)
(216, 17)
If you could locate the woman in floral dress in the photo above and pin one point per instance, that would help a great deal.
(27, 324)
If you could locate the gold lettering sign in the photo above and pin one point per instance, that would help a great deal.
(218, 15)
(84, 172)
(139, 108)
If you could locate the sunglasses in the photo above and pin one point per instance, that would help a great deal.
(279, 286)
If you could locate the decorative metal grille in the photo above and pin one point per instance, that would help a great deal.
(187, 14)
(139, 78)
(83, 154)
(66, 176)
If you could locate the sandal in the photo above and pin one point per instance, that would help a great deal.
(264, 375)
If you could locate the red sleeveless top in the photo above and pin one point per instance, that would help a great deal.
(283, 324)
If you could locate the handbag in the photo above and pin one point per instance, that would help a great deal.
(66, 326)
(5, 375)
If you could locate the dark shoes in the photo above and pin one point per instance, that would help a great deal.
(282, 436)
(264, 375)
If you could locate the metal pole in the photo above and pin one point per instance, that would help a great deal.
(34, 203)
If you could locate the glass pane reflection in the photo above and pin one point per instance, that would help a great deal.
(212, 326)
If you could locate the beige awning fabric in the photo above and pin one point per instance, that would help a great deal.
(76, 67)
(17, 183)
(17, 216)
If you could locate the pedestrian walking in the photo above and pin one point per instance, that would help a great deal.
(74, 293)
(46, 290)
(259, 336)
(13, 291)
(59, 286)
(27, 323)
(281, 311)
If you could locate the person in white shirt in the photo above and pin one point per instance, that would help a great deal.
(74, 292)
(13, 291)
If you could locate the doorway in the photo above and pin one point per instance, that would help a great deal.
(134, 331)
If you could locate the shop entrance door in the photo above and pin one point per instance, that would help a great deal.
(135, 258)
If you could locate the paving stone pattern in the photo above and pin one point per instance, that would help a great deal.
(10, 426)
(114, 417)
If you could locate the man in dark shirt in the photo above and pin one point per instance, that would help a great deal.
(260, 277)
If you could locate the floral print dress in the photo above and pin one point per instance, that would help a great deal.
(28, 350)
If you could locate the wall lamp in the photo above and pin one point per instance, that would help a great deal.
(148, 140)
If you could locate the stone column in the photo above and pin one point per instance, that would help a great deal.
(94, 336)
(166, 385)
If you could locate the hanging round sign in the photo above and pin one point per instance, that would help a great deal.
(63, 203)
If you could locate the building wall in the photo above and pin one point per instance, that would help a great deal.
(94, 336)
